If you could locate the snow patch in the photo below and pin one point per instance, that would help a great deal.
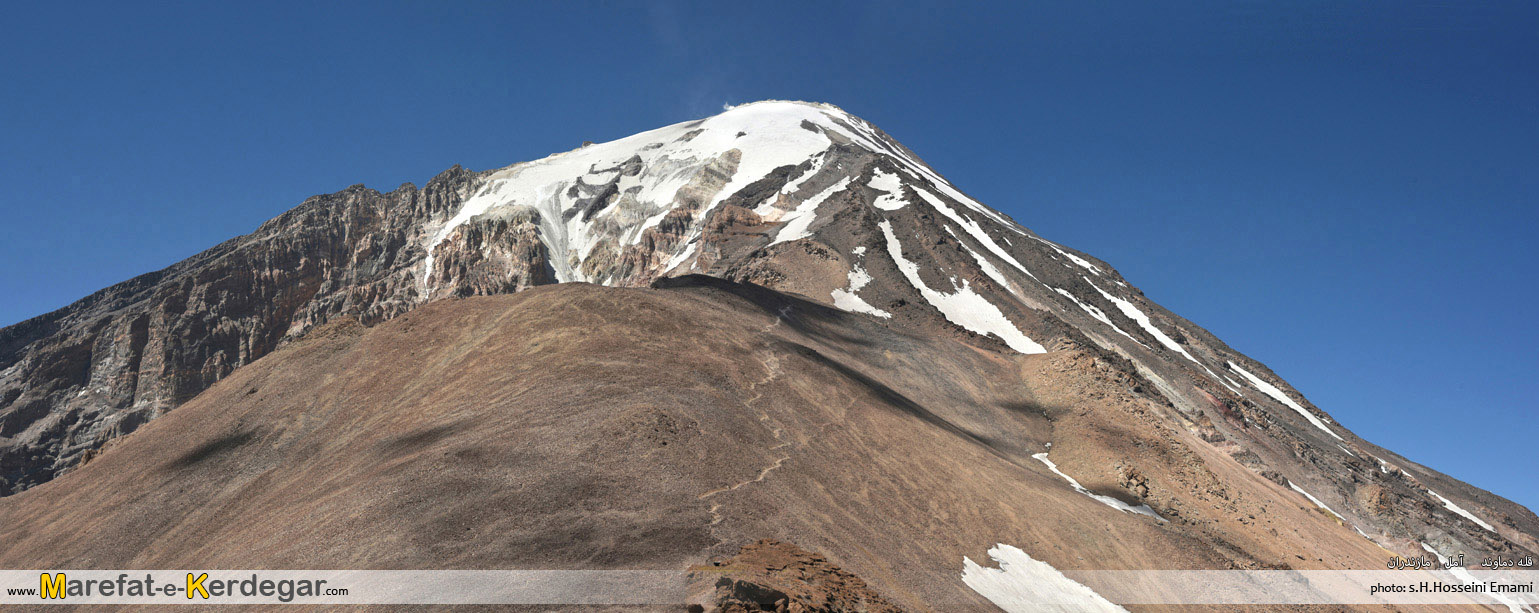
(847, 299)
(892, 199)
(965, 307)
(1278, 395)
(1023, 584)
(1119, 505)
(800, 219)
(865, 135)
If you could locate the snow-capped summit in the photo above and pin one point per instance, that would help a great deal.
(615, 191)
(596, 204)
(669, 201)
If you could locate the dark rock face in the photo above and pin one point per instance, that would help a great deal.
(804, 199)
(97, 369)
(496, 253)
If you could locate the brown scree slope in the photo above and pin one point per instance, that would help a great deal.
(577, 426)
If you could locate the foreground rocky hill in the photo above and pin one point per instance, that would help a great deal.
(814, 206)
(566, 427)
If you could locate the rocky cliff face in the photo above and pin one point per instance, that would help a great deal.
(80, 376)
(802, 198)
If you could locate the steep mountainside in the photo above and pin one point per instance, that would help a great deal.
(73, 379)
(801, 198)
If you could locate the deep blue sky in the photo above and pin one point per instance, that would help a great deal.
(1346, 191)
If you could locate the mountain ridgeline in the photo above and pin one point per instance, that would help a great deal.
(802, 200)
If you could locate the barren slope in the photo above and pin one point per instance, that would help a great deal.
(577, 426)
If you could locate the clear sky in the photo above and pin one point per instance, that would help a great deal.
(1346, 191)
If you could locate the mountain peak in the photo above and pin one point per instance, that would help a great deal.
(619, 190)
(800, 199)
(655, 188)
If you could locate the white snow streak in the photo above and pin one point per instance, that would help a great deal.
(988, 267)
(1132, 312)
(1096, 313)
(1082, 262)
(965, 307)
(767, 210)
(1449, 504)
(1023, 584)
(1222, 380)
(1322, 505)
(682, 257)
(973, 229)
(1119, 505)
(1278, 395)
(1315, 500)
